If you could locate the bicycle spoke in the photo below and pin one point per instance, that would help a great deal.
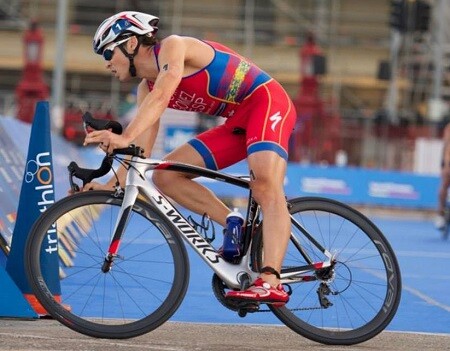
(144, 284)
(344, 301)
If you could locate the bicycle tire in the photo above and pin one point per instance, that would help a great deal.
(145, 286)
(365, 286)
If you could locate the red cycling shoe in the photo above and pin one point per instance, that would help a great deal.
(261, 291)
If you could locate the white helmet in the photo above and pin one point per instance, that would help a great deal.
(122, 23)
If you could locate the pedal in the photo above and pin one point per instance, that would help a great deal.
(244, 307)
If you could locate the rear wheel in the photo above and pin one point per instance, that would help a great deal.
(145, 285)
(358, 296)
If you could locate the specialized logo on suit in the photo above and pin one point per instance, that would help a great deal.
(275, 119)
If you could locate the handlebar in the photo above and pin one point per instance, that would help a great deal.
(100, 124)
(86, 175)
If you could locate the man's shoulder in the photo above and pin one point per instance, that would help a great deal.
(176, 37)
(190, 43)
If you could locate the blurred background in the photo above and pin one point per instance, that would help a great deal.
(370, 79)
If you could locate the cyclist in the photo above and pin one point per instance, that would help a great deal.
(189, 74)
(445, 178)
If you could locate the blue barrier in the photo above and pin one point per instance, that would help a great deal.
(12, 301)
(355, 186)
(3, 258)
(365, 186)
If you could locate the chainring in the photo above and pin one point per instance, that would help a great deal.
(219, 287)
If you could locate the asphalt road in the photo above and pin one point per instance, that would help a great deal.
(50, 335)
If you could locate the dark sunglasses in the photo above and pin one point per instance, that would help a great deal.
(109, 50)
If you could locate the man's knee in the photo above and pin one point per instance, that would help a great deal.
(167, 181)
(263, 190)
(161, 179)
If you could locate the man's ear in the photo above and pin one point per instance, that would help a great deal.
(132, 44)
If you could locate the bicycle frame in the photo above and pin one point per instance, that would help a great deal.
(230, 273)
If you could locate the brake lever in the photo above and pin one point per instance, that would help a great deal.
(87, 175)
(74, 186)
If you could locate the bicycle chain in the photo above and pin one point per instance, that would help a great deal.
(219, 292)
(294, 309)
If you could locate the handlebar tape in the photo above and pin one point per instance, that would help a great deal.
(87, 175)
(100, 124)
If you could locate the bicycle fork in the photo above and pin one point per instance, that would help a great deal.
(119, 228)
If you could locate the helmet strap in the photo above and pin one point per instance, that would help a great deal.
(132, 68)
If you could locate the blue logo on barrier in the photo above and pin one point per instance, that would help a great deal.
(324, 185)
(393, 190)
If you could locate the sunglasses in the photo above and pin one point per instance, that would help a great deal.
(109, 50)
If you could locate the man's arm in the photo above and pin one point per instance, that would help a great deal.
(146, 140)
(171, 59)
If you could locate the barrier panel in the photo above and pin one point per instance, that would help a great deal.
(365, 186)
(12, 302)
(36, 195)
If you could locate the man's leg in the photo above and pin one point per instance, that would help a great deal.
(188, 193)
(442, 198)
(439, 221)
(268, 171)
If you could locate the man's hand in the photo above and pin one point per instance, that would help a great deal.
(92, 186)
(107, 140)
(96, 186)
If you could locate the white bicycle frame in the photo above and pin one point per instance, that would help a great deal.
(230, 273)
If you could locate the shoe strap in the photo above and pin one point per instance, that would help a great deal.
(270, 270)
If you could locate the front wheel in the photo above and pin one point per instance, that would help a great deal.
(144, 286)
(358, 296)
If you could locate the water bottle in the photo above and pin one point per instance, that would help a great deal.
(232, 245)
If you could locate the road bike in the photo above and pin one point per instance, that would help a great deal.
(124, 269)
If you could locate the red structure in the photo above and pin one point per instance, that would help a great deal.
(316, 135)
(32, 87)
(73, 129)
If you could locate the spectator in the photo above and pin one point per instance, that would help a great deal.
(445, 178)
